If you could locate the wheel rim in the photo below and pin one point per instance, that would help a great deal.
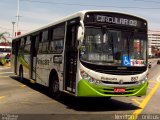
(55, 90)
(55, 87)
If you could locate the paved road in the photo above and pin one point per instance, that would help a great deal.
(26, 98)
(153, 106)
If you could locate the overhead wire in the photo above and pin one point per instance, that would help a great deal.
(89, 5)
(149, 1)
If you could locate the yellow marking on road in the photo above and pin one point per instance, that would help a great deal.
(144, 103)
(23, 86)
(140, 99)
(152, 81)
(1, 97)
(136, 101)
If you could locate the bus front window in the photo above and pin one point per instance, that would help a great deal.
(110, 46)
(96, 47)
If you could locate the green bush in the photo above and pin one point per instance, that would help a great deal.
(2, 61)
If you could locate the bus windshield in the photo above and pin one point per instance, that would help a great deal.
(112, 47)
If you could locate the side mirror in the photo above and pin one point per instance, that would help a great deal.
(80, 33)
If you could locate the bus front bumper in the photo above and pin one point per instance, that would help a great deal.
(86, 89)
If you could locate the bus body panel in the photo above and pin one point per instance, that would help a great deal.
(45, 64)
(12, 63)
(43, 69)
(25, 62)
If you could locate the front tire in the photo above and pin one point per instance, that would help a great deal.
(54, 91)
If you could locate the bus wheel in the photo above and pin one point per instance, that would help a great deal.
(54, 88)
(21, 74)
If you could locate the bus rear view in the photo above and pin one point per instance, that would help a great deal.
(113, 55)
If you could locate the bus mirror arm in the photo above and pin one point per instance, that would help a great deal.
(80, 34)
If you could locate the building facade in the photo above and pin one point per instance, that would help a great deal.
(153, 43)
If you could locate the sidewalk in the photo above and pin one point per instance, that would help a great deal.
(6, 65)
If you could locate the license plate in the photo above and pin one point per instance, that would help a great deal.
(119, 90)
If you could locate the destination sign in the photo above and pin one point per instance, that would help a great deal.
(115, 19)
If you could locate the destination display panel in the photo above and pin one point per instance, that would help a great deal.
(115, 19)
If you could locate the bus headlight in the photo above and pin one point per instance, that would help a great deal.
(89, 78)
(143, 80)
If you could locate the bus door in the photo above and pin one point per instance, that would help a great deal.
(33, 58)
(15, 47)
(71, 56)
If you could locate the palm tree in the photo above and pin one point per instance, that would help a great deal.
(3, 36)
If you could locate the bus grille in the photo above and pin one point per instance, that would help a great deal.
(119, 72)
(125, 83)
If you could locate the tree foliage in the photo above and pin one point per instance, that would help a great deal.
(4, 37)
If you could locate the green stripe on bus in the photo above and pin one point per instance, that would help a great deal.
(92, 90)
(26, 65)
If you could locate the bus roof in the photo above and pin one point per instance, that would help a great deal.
(69, 17)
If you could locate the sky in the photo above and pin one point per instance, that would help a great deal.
(36, 13)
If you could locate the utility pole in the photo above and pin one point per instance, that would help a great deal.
(13, 34)
(17, 17)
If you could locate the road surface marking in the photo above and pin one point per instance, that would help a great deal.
(5, 73)
(1, 97)
(23, 86)
(136, 101)
(152, 81)
(144, 102)
(140, 99)
(38, 102)
(3, 68)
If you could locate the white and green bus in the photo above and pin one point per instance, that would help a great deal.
(87, 54)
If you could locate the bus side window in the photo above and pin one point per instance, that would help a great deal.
(22, 46)
(35, 49)
(27, 45)
(57, 41)
(56, 46)
(43, 42)
(45, 36)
